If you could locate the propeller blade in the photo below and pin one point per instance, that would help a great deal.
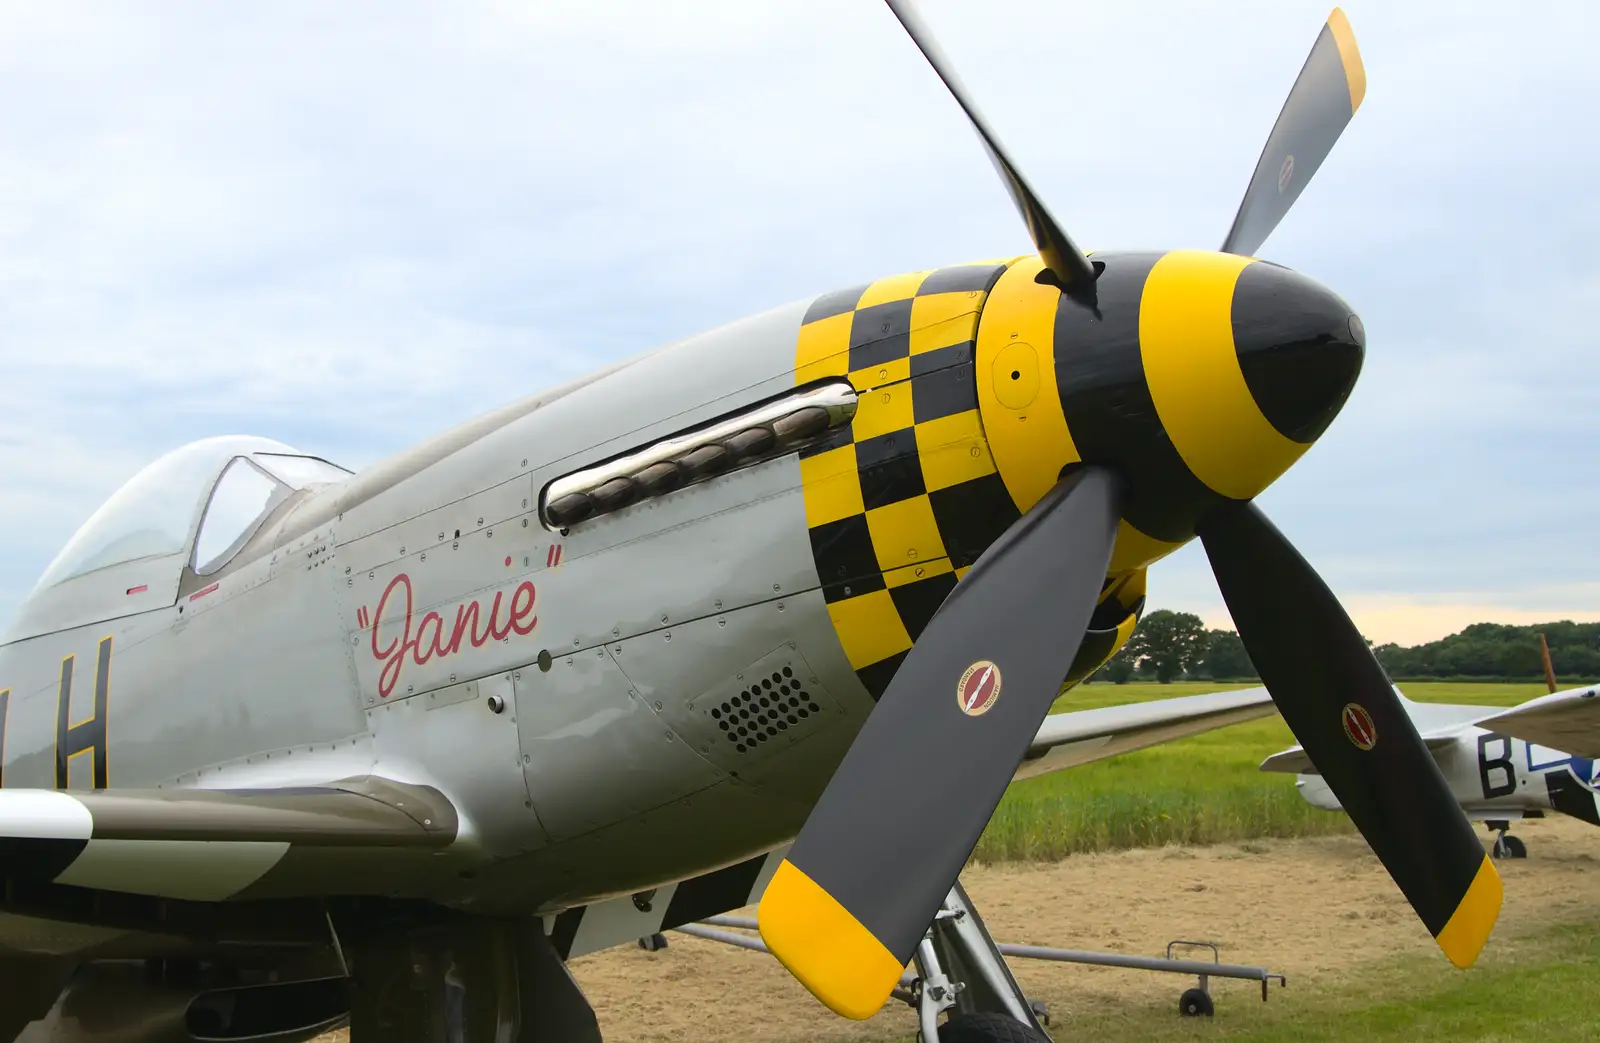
(1325, 97)
(901, 815)
(1073, 273)
(1342, 708)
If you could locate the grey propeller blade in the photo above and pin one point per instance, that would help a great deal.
(905, 808)
(1339, 703)
(1320, 105)
(1072, 270)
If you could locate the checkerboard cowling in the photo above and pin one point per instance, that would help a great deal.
(902, 501)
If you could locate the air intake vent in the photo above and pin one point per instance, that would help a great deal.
(764, 711)
(781, 426)
(769, 706)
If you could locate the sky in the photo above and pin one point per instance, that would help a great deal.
(350, 226)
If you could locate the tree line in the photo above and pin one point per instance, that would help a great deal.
(1171, 646)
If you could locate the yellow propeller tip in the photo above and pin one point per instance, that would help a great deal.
(1474, 919)
(1355, 73)
(826, 948)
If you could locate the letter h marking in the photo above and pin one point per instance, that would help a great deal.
(89, 735)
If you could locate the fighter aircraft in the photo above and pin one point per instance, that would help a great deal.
(777, 610)
(1501, 764)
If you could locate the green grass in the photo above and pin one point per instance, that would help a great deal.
(1202, 790)
(1539, 986)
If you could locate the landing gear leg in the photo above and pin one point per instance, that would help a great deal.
(961, 971)
(1506, 845)
(464, 979)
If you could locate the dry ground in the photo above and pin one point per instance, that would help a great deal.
(1315, 910)
(1322, 911)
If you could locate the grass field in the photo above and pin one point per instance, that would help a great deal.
(1534, 987)
(1202, 790)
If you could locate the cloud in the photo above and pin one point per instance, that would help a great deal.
(349, 226)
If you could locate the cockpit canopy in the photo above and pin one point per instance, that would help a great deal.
(204, 500)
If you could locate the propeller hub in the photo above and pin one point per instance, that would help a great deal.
(1202, 377)
(1299, 346)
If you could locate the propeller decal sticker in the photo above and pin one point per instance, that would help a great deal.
(1358, 726)
(979, 688)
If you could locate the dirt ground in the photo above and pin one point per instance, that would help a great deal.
(1315, 910)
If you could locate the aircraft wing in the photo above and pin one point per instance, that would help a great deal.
(1294, 760)
(1566, 721)
(211, 845)
(1066, 740)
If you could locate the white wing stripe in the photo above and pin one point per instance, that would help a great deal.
(195, 870)
(44, 815)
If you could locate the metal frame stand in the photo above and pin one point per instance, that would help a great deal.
(1199, 968)
(958, 949)
(961, 968)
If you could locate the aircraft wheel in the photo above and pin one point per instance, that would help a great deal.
(653, 942)
(1508, 846)
(1196, 1003)
(988, 1028)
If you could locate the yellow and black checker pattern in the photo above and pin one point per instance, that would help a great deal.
(901, 502)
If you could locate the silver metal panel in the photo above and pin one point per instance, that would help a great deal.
(469, 753)
(728, 823)
(468, 608)
(803, 771)
(710, 661)
(221, 593)
(594, 752)
(311, 764)
(99, 596)
(495, 509)
(723, 545)
(311, 551)
(249, 667)
(32, 670)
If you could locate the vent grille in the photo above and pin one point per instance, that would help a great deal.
(764, 711)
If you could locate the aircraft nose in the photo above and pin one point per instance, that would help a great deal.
(1200, 378)
(1300, 348)
(1247, 363)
